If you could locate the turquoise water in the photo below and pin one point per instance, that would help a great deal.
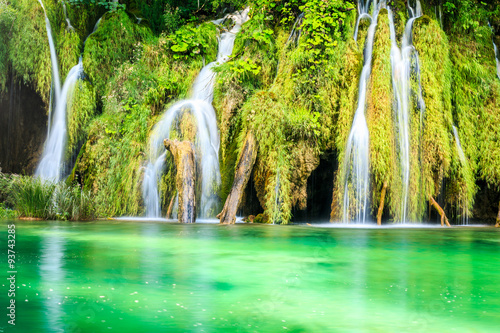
(159, 277)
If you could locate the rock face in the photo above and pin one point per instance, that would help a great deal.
(305, 160)
(23, 128)
(241, 177)
(183, 153)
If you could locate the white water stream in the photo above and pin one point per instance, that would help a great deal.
(207, 138)
(404, 61)
(356, 161)
(51, 163)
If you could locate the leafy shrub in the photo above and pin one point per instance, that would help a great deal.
(34, 197)
(190, 41)
(6, 213)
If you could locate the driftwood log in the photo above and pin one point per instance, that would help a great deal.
(183, 153)
(382, 202)
(241, 177)
(440, 210)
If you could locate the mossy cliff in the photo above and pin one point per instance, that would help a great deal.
(292, 81)
(384, 169)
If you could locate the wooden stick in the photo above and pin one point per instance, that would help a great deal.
(241, 177)
(440, 210)
(382, 201)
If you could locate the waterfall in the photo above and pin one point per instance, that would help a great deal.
(403, 61)
(53, 56)
(207, 136)
(296, 30)
(495, 49)
(496, 58)
(356, 160)
(50, 167)
(459, 146)
(463, 161)
(51, 164)
(70, 27)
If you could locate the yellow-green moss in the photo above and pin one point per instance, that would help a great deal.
(380, 122)
(434, 154)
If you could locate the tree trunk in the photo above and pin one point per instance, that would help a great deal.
(440, 210)
(497, 225)
(382, 201)
(241, 177)
(183, 153)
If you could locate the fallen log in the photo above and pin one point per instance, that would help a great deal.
(183, 153)
(241, 178)
(440, 210)
(382, 202)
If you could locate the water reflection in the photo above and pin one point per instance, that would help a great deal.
(52, 274)
(145, 276)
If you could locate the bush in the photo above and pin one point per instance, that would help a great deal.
(33, 197)
(6, 213)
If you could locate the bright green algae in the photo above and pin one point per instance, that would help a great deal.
(156, 277)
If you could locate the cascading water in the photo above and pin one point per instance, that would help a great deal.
(70, 27)
(495, 48)
(53, 56)
(356, 162)
(463, 161)
(50, 166)
(459, 146)
(296, 30)
(403, 61)
(496, 58)
(207, 137)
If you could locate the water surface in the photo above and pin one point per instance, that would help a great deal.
(120, 276)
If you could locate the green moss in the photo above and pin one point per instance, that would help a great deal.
(383, 164)
(116, 41)
(7, 17)
(28, 47)
(293, 114)
(435, 151)
(476, 97)
(135, 94)
(113, 155)
(81, 110)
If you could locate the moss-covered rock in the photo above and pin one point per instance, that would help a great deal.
(380, 121)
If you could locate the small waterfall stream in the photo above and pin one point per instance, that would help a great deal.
(356, 161)
(403, 62)
(207, 136)
(459, 146)
(51, 163)
(495, 48)
(70, 27)
(463, 206)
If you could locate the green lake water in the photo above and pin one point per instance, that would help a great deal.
(160, 277)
